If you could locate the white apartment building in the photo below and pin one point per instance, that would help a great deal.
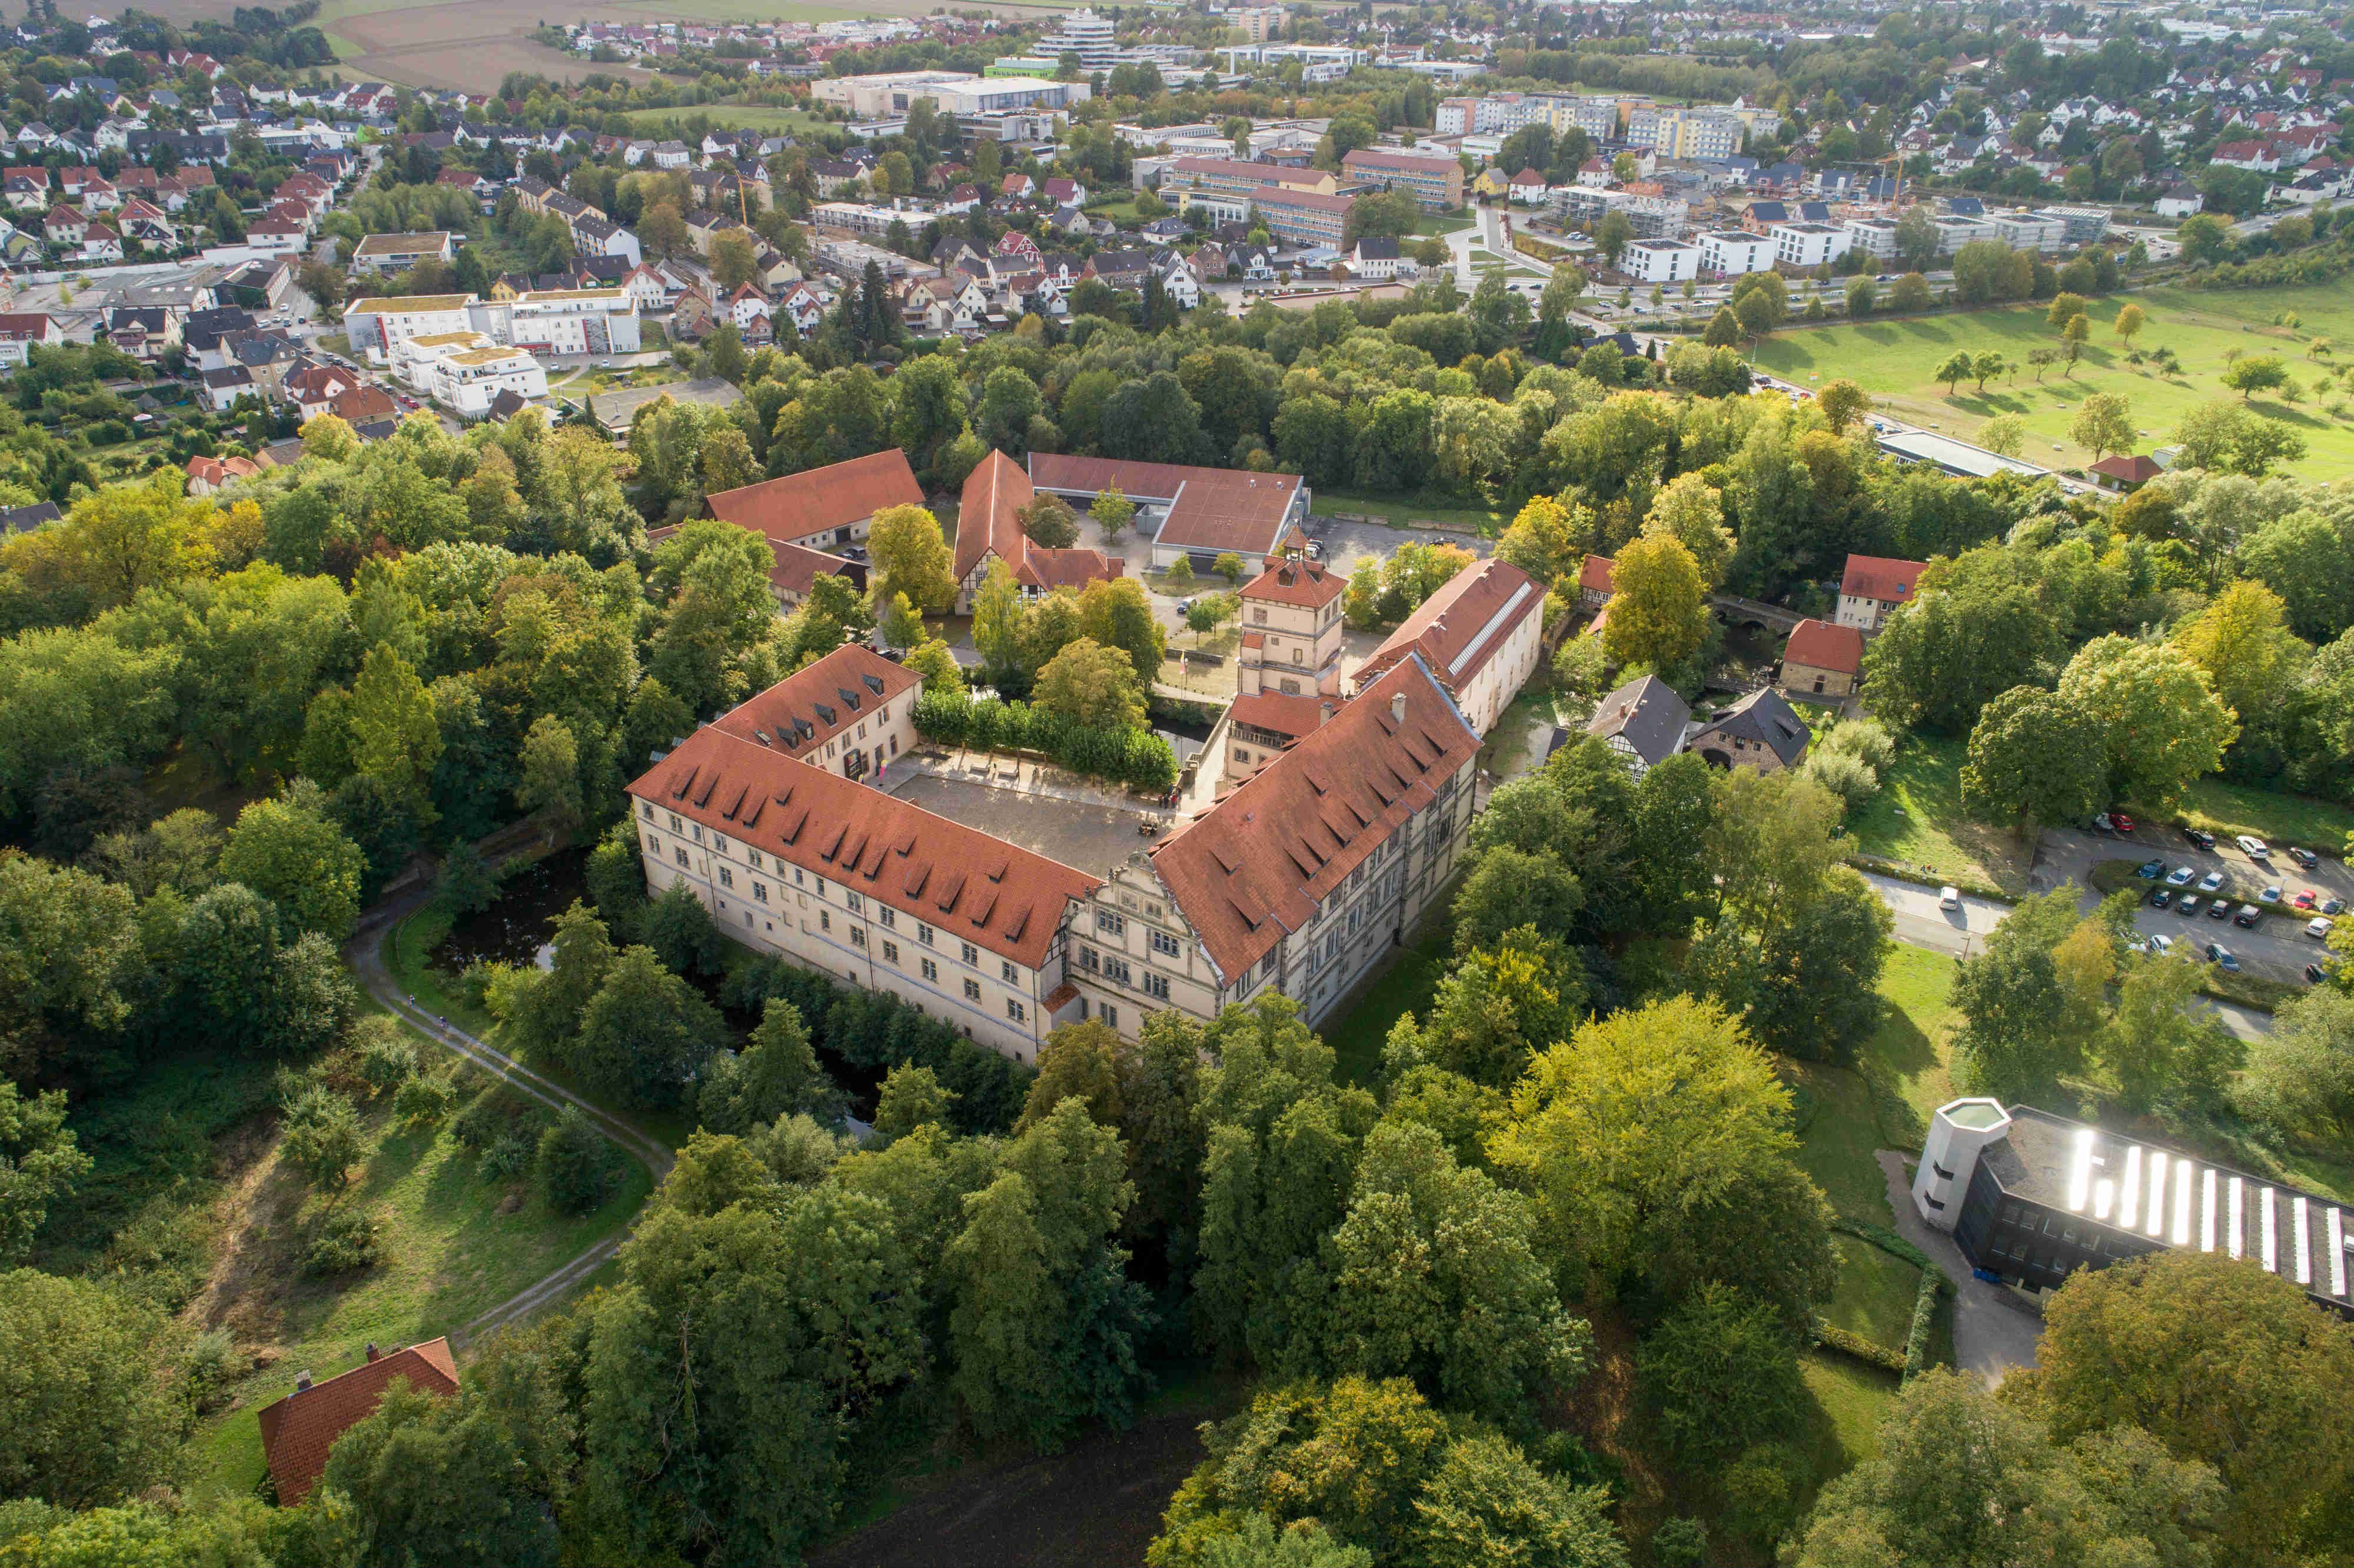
(1660, 260)
(1088, 35)
(1875, 237)
(2031, 230)
(569, 320)
(1733, 251)
(1952, 233)
(1808, 244)
(465, 371)
(377, 327)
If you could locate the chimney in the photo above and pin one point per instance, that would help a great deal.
(1324, 712)
(1397, 707)
(301, 1382)
(372, 1353)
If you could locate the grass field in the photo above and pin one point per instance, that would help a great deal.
(1356, 1036)
(452, 1245)
(1896, 360)
(1917, 819)
(1487, 520)
(1882, 1102)
(1876, 1292)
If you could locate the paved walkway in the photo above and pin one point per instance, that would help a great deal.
(1994, 1330)
(367, 955)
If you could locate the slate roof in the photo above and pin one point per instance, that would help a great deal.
(1647, 714)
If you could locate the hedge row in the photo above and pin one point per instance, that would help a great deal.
(1884, 1238)
(1934, 1284)
(871, 1030)
(1832, 1336)
(1137, 757)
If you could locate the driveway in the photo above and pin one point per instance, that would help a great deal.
(1994, 1329)
(1921, 922)
(2276, 947)
(1346, 544)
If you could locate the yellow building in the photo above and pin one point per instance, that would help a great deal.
(1493, 183)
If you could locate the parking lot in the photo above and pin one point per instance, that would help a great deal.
(2276, 947)
(1346, 544)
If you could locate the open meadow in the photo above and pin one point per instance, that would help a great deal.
(1896, 362)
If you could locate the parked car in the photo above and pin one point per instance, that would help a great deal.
(2199, 836)
(2270, 896)
(2333, 907)
(1949, 897)
(2305, 857)
(2248, 915)
(2252, 847)
(2181, 877)
(2210, 882)
(2101, 824)
(2151, 869)
(2314, 974)
(2306, 899)
(2162, 898)
(2187, 906)
(2162, 944)
(2120, 821)
(2219, 909)
(2221, 957)
(2318, 927)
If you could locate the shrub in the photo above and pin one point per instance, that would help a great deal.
(424, 1099)
(344, 1245)
(576, 1163)
(387, 1053)
(1680, 1542)
(322, 1135)
(510, 1155)
(492, 1115)
(1719, 1373)
(1850, 778)
(1762, 1490)
(1135, 757)
(208, 1367)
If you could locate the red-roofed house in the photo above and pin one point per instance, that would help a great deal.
(1875, 587)
(19, 331)
(299, 1430)
(1198, 513)
(821, 506)
(988, 528)
(1479, 634)
(2126, 472)
(1822, 660)
(1594, 582)
(207, 474)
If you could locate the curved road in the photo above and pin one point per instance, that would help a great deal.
(365, 953)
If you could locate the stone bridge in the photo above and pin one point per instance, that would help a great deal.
(1735, 610)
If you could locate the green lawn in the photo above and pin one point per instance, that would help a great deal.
(1917, 819)
(453, 1245)
(2231, 809)
(1485, 520)
(1445, 222)
(1885, 1101)
(1357, 1035)
(1850, 1401)
(1876, 1292)
(1896, 360)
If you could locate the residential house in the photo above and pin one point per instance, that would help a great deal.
(398, 253)
(1479, 634)
(1761, 731)
(1594, 582)
(1643, 721)
(19, 331)
(1875, 587)
(299, 1430)
(208, 474)
(1821, 659)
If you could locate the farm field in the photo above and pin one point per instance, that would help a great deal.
(1896, 360)
(741, 116)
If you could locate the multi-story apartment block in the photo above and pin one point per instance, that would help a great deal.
(1259, 23)
(466, 372)
(375, 326)
(1085, 34)
(1302, 218)
(1733, 251)
(1952, 233)
(2031, 230)
(569, 320)
(1808, 244)
(1660, 260)
(1685, 132)
(1875, 237)
(1436, 183)
(1478, 634)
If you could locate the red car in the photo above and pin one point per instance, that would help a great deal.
(2305, 899)
(2120, 821)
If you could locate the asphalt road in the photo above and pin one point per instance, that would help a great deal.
(1921, 922)
(2276, 947)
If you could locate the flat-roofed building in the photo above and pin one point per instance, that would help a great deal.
(1809, 244)
(1436, 182)
(569, 320)
(1660, 260)
(374, 327)
(1733, 251)
(1479, 634)
(1200, 513)
(465, 372)
(2033, 1197)
(1875, 237)
(1232, 177)
(398, 253)
(1301, 218)
(820, 507)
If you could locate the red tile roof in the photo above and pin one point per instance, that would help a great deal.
(1285, 713)
(1209, 508)
(1256, 865)
(1820, 645)
(988, 515)
(835, 496)
(298, 1431)
(797, 566)
(850, 682)
(1303, 585)
(1882, 577)
(1050, 569)
(1596, 573)
(2128, 470)
(959, 879)
(1459, 628)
